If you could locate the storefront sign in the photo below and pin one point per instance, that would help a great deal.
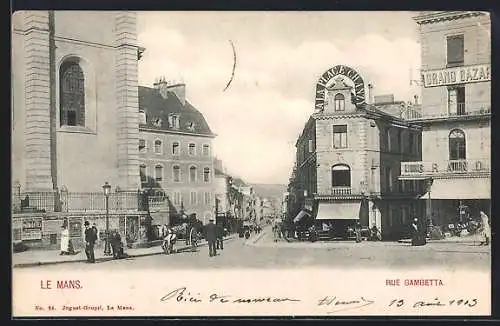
(32, 228)
(359, 86)
(457, 75)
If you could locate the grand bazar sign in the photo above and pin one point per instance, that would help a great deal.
(457, 75)
(359, 86)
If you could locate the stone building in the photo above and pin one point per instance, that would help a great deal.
(75, 122)
(456, 115)
(175, 150)
(348, 159)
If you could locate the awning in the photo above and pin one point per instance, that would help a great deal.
(300, 215)
(339, 211)
(460, 188)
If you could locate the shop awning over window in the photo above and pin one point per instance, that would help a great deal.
(463, 188)
(339, 211)
(300, 216)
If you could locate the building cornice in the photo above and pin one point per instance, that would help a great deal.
(446, 119)
(176, 132)
(439, 16)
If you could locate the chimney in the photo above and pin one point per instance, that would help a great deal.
(370, 93)
(180, 91)
(162, 86)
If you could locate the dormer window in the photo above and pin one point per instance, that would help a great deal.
(157, 122)
(173, 121)
(339, 102)
(190, 126)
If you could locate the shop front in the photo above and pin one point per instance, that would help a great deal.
(337, 219)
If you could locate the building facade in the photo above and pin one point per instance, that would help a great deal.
(456, 115)
(175, 150)
(348, 159)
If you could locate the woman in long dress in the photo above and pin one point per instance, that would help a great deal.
(65, 250)
(485, 229)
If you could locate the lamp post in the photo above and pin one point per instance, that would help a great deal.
(107, 245)
(429, 203)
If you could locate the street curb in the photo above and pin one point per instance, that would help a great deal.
(443, 241)
(104, 259)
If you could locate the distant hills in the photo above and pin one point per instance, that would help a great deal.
(269, 190)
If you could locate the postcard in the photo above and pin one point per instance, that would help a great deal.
(251, 163)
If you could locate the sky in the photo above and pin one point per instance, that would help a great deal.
(279, 58)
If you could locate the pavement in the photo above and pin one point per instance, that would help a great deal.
(37, 257)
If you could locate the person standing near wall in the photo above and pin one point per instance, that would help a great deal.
(211, 237)
(485, 229)
(90, 238)
(65, 239)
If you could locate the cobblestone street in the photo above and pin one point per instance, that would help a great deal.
(263, 252)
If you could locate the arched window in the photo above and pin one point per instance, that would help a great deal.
(456, 145)
(158, 173)
(192, 174)
(206, 174)
(176, 170)
(158, 146)
(341, 176)
(339, 102)
(72, 94)
(175, 148)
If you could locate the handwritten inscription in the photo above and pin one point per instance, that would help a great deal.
(182, 295)
(435, 302)
(339, 304)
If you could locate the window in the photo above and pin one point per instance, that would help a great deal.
(158, 146)
(193, 198)
(142, 173)
(388, 136)
(339, 101)
(176, 173)
(173, 121)
(457, 145)
(340, 136)
(310, 145)
(192, 149)
(341, 176)
(206, 150)
(142, 145)
(177, 198)
(175, 148)
(158, 173)
(455, 50)
(456, 100)
(206, 174)
(192, 174)
(72, 94)
(208, 198)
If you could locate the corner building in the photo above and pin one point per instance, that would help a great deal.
(348, 160)
(456, 115)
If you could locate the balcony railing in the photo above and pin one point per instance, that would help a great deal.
(460, 112)
(446, 167)
(341, 191)
(75, 201)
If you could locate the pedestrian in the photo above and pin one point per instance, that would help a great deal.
(65, 248)
(94, 227)
(485, 229)
(220, 237)
(90, 238)
(357, 232)
(417, 236)
(211, 237)
(117, 245)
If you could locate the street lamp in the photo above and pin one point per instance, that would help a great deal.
(107, 245)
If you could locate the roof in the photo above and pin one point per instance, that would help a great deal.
(219, 172)
(155, 106)
(239, 182)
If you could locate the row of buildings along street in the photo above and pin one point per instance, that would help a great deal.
(384, 162)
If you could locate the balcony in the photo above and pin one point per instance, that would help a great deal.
(450, 167)
(341, 191)
(461, 113)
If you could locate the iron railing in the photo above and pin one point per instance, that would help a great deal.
(341, 191)
(460, 112)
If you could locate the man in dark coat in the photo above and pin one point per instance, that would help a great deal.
(417, 236)
(90, 239)
(220, 237)
(211, 237)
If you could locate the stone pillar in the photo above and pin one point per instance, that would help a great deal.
(127, 101)
(37, 99)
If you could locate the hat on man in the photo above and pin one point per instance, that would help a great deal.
(211, 220)
(87, 223)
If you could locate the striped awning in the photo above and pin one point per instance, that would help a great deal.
(300, 216)
(460, 188)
